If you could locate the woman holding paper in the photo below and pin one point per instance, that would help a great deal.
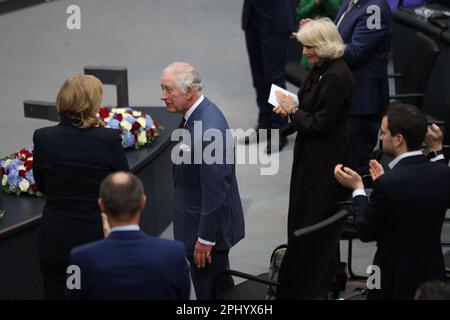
(323, 138)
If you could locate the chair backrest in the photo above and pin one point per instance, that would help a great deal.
(309, 265)
(414, 58)
(117, 76)
(419, 64)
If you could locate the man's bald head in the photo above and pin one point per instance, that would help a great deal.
(121, 194)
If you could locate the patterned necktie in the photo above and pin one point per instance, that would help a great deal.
(182, 123)
(349, 7)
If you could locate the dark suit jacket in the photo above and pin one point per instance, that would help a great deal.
(366, 54)
(131, 265)
(69, 164)
(206, 199)
(405, 215)
(274, 16)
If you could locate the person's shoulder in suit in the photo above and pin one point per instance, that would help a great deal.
(339, 72)
(212, 117)
(100, 133)
(339, 67)
(417, 170)
(169, 248)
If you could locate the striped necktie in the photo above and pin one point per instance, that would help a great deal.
(349, 7)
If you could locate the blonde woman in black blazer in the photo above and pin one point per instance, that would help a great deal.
(70, 161)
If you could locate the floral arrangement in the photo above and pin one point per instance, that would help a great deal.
(17, 171)
(137, 130)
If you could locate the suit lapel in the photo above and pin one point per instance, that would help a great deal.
(341, 10)
(196, 115)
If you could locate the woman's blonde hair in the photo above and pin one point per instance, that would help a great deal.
(79, 98)
(322, 35)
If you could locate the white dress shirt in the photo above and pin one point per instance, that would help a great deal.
(393, 163)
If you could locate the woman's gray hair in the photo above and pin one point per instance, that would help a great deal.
(185, 76)
(323, 36)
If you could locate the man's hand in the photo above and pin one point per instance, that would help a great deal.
(433, 138)
(376, 169)
(348, 178)
(106, 227)
(202, 254)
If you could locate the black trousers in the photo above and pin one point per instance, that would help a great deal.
(267, 55)
(364, 132)
(203, 278)
(54, 280)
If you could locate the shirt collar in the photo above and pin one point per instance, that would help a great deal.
(394, 162)
(194, 106)
(129, 227)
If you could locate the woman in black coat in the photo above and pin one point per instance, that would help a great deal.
(70, 161)
(320, 120)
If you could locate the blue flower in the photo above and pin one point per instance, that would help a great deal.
(128, 140)
(13, 178)
(29, 176)
(113, 123)
(131, 120)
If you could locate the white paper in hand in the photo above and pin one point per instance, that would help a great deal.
(273, 98)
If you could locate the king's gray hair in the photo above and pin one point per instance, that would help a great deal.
(185, 76)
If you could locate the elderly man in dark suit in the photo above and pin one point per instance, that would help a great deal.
(267, 25)
(365, 27)
(207, 210)
(129, 264)
(407, 206)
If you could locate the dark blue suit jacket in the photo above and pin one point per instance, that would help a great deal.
(131, 265)
(405, 215)
(269, 13)
(69, 164)
(366, 54)
(206, 199)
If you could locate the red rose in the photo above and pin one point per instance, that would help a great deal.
(103, 112)
(150, 132)
(136, 125)
(119, 117)
(34, 187)
(22, 173)
(29, 165)
(3, 170)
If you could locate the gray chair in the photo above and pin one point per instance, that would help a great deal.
(307, 269)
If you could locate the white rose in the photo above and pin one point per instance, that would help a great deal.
(141, 121)
(126, 125)
(142, 138)
(24, 185)
(6, 163)
(118, 110)
(4, 180)
(137, 114)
